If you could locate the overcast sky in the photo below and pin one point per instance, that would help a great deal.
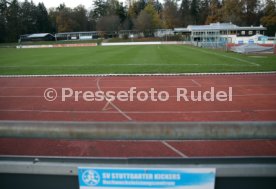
(69, 3)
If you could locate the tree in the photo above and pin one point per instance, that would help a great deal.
(108, 23)
(64, 19)
(251, 8)
(100, 9)
(184, 12)
(143, 22)
(135, 8)
(3, 21)
(91, 22)
(157, 5)
(53, 20)
(114, 7)
(155, 18)
(203, 11)
(269, 18)
(29, 17)
(232, 11)
(214, 12)
(170, 14)
(14, 21)
(79, 15)
(148, 20)
(195, 11)
(121, 11)
(43, 21)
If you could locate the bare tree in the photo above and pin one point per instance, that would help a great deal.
(109, 23)
(143, 21)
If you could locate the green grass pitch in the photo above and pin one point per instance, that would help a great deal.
(128, 60)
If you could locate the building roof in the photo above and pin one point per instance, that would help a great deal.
(218, 26)
(38, 35)
(213, 26)
(181, 30)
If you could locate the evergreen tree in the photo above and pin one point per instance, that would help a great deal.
(29, 17)
(184, 13)
(195, 11)
(43, 20)
(14, 21)
(251, 8)
(3, 21)
(203, 11)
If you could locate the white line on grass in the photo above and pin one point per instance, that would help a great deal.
(107, 65)
(230, 57)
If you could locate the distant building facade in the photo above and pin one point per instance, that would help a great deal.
(37, 37)
(227, 32)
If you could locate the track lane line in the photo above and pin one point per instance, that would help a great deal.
(197, 83)
(111, 103)
(137, 112)
(142, 87)
(171, 96)
(174, 149)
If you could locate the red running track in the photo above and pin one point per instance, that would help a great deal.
(254, 99)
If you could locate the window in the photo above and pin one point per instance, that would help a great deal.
(242, 32)
(250, 33)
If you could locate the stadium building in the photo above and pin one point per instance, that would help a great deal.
(37, 37)
(224, 33)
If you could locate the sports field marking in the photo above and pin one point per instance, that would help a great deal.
(111, 103)
(138, 112)
(230, 57)
(174, 149)
(258, 56)
(171, 96)
(109, 87)
(141, 74)
(107, 107)
(141, 87)
(197, 83)
(107, 65)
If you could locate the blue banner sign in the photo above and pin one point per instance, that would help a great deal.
(102, 178)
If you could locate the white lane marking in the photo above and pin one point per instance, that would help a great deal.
(136, 112)
(197, 83)
(171, 96)
(107, 107)
(174, 149)
(111, 103)
(140, 75)
(140, 87)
